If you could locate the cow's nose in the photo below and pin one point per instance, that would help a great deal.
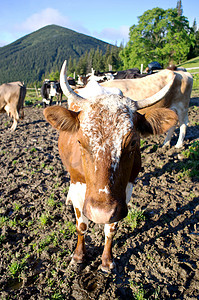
(105, 214)
(119, 213)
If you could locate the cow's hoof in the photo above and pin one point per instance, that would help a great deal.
(76, 259)
(76, 265)
(75, 262)
(107, 269)
(177, 146)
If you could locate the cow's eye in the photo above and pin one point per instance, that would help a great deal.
(79, 142)
(133, 143)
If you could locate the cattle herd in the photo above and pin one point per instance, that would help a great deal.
(99, 136)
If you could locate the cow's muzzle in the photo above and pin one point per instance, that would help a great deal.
(104, 214)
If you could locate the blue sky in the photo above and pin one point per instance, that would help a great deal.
(107, 20)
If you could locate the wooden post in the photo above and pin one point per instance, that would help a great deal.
(141, 68)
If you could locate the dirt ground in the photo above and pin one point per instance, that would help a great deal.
(159, 259)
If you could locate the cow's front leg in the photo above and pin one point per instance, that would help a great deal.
(107, 256)
(76, 194)
(81, 226)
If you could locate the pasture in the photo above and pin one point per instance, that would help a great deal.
(156, 245)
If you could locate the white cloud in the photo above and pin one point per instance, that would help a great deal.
(47, 16)
(50, 16)
(113, 34)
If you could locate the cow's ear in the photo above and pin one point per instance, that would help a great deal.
(62, 119)
(155, 121)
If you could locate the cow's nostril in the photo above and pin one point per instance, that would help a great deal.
(119, 213)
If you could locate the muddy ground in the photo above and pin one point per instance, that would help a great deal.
(159, 259)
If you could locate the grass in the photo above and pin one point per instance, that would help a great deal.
(142, 143)
(17, 267)
(71, 228)
(2, 238)
(193, 151)
(190, 167)
(51, 201)
(44, 219)
(3, 220)
(134, 217)
(32, 98)
(195, 89)
(138, 291)
(17, 206)
(192, 63)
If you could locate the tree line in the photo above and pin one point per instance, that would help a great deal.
(160, 35)
(95, 59)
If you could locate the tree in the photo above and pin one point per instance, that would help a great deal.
(112, 58)
(98, 61)
(160, 35)
(179, 8)
(54, 75)
(194, 50)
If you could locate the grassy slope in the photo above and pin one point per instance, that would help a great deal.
(192, 63)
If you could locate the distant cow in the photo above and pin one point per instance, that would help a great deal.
(99, 144)
(12, 97)
(97, 76)
(93, 88)
(49, 90)
(128, 74)
(109, 75)
(153, 66)
(177, 98)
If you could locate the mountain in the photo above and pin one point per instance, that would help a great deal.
(43, 51)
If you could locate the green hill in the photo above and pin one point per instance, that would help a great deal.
(192, 63)
(43, 51)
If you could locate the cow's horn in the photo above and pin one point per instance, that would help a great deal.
(156, 97)
(68, 92)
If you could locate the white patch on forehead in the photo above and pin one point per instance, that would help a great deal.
(106, 124)
(105, 190)
(129, 190)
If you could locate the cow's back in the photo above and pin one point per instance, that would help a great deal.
(178, 95)
(142, 88)
(13, 94)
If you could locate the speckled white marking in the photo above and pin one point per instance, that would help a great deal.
(106, 125)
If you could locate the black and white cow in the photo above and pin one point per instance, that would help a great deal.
(49, 90)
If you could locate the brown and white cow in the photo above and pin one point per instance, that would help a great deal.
(177, 98)
(12, 97)
(99, 144)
